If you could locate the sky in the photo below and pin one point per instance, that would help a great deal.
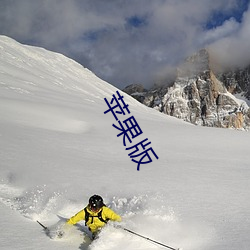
(132, 41)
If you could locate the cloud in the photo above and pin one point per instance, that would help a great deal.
(233, 49)
(126, 42)
(228, 28)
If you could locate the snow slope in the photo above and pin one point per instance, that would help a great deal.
(57, 148)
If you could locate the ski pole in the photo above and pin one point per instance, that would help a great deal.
(146, 238)
(45, 228)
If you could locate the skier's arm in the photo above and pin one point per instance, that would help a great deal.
(110, 214)
(77, 217)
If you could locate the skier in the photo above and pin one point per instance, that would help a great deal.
(95, 214)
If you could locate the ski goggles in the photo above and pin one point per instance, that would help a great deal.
(94, 208)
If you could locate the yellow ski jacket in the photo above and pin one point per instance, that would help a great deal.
(94, 223)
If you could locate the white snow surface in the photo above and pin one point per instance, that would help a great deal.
(57, 148)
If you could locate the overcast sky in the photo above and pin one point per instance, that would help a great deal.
(131, 41)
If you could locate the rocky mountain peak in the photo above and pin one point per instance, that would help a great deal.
(196, 64)
(200, 96)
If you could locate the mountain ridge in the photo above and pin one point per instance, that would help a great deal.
(201, 95)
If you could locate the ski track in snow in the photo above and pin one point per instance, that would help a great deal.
(43, 117)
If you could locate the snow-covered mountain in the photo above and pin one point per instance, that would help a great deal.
(201, 95)
(57, 148)
(237, 81)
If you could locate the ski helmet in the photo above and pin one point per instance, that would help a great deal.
(95, 202)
